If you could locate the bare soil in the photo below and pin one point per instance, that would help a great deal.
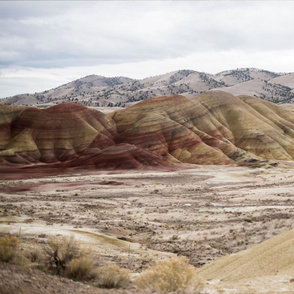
(136, 218)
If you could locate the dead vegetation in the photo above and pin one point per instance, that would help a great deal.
(173, 275)
(8, 248)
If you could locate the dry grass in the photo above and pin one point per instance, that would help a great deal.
(173, 275)
(66, 258)
(8, 248)
(60, 252)
(81, 269)
(35, 254)
(112, 276)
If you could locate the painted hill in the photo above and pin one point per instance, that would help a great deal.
(99, 91)
(212, 128)
(66, 136)
(59, 133)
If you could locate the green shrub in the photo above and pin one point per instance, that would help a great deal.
(8, 248)
(173, 275)
(112, 276)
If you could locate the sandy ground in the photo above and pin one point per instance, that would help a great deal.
(136, 218)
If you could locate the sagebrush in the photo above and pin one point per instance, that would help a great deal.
(80, 269)
(8, 248)
(35, 254)
(65, 257)
(112, 276)
(61, 251)
(173, 275)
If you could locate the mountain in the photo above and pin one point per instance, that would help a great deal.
(212, 128)
(83, 91)
(99, 91)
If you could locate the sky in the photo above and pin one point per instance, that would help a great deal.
(44, 44)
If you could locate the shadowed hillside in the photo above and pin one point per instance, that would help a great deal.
(212, 128)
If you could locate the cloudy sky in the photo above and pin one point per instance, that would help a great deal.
(46, 44)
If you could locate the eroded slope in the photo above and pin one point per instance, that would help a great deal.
(212, 128)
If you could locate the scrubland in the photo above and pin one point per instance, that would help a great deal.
(127, 222)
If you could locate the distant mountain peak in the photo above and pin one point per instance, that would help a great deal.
(97, 90)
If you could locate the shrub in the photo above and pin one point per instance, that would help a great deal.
(111, 276)
(8, 248)
(173, 275)
(35, 254)
(61, 252)
(80, 269)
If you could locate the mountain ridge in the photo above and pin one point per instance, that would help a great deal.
(99, 91)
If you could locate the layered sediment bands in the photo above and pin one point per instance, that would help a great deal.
(59, 133)
(164, 126)
(212, 128)
(121, 156)
(260, 127)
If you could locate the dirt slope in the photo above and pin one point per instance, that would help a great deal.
(270, 258)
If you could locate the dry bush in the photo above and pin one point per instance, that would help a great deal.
(8, 248)
(112, 276)
(66, 258)
(61, 251)
(80, 269)
(173, 275)
(35, 254)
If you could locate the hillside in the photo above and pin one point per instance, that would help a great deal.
(99, 91)
(212, 128)
(272, 257)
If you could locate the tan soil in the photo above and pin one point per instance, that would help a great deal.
(135, 218)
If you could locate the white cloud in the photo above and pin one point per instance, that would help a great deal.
(139, 39)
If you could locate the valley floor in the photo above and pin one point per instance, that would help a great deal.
(135, 218)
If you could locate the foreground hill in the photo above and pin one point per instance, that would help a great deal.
(99, 91)
(271, 261)
(212, 128)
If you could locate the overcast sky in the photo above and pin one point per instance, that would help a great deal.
(46, 44)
